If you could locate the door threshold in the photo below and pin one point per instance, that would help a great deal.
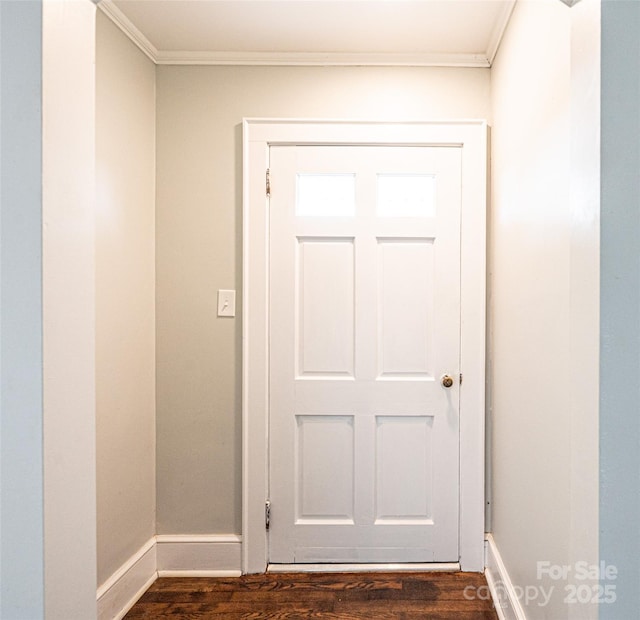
(363, 568)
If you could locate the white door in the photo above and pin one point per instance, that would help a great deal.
(364, 322)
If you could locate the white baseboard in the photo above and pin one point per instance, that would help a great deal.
(502, 591)
(117, 595)
(199, 573)
(167, 556)
(199, 556)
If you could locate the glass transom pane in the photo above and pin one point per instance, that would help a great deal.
(406, 195)
(326, 195)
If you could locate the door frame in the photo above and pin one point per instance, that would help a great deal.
(259, 134)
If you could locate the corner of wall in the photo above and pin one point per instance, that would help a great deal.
(167, 556)
(125, 296)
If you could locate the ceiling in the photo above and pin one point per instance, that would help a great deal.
(315, 32)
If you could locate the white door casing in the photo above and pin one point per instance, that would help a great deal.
(469, 137)
(364, 320)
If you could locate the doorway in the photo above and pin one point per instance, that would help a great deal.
(359, 324)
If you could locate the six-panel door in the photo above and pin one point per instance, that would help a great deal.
(364, 321)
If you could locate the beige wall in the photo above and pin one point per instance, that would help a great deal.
(125, 297)
(199, 245)
(544, 295)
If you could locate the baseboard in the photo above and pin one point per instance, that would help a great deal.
(502, 591)
(199, 556)
(117, 595)
(167, 556)
(199, 573)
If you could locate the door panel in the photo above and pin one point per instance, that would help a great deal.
(324, 487)
(405, 308)
(325, 339)
(364, 319)
(410, 501)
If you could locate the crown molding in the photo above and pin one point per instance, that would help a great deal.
(306, 59)
(311, 59)
(499, 29)
(109, 8)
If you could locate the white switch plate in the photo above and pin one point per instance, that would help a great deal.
(226, 303)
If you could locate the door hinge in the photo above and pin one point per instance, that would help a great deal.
(267, 513)
(460, 378)
(268, 182)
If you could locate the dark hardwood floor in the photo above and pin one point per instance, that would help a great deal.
(343, 596)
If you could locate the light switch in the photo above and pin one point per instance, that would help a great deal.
(226, 303)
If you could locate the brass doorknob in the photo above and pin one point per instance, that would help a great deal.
(447, 381)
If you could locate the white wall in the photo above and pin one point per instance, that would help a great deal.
(199, 244)
(544, 294)
(585, 297)
(125, 297)
(69, 309)
(21, 458)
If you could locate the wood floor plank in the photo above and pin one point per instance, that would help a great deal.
(283, 595)
(400, 605)
(187, 596)
(327, 596)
